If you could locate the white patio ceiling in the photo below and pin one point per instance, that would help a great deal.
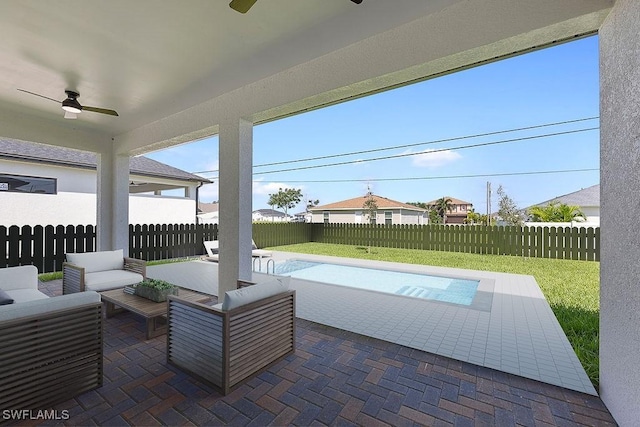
(174, 69)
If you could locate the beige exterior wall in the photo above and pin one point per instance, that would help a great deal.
(399, 216)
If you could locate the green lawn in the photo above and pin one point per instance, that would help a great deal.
(571, 287)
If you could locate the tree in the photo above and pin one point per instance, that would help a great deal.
(474, 217)
(285, 199)
(507, 209)
(312, 204)
(371, 207)
(434, 217)
(556, 212)
(441, 206)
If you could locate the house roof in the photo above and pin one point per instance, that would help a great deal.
(25, 151)
(358, 203)
(269, 212)
(454, 201)
(589, 196)
(208, 207)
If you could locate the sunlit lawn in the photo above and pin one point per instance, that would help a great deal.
(571, 287)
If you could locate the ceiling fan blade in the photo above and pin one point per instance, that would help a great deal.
(41, 96)
(100, 110)
(241, 6)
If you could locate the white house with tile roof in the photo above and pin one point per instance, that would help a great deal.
(587, 199)
(351, 211)
(47, 185)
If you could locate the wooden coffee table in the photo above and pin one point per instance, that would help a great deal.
(155, 313)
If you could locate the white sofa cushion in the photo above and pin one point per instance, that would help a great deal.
(47, 305)
(23, 277)
(111, 279)
(25, 295)
(248, 294)
(98, 261)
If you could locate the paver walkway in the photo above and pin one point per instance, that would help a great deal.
(335, 378)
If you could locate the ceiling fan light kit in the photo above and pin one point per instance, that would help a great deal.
(71, 104)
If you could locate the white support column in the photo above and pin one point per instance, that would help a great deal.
(236, 173)
(113, 202)
(619, 201)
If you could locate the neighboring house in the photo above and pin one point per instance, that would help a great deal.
(269, 215)
(302, 217)
(351, 211)
(587, 199)
(208, 213)
(458, 212)
(47, 185)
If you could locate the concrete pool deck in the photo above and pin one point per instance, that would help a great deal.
(519, 334)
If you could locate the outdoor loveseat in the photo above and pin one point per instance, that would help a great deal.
(101, 271)
(50, 348)
(229, 343)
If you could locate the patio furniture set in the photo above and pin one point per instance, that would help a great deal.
(52, 347)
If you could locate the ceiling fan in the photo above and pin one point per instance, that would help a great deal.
(72, 107)
(243, 6)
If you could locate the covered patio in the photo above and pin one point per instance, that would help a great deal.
(335, 377)
(178, 72)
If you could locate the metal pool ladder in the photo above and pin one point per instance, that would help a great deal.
(270, 262)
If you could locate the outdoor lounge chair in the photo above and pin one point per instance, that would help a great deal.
(229, 343)
(101, 271)
(212, 247)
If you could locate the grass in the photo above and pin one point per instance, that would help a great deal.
(572, 288)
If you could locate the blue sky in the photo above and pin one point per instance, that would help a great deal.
(553, 85)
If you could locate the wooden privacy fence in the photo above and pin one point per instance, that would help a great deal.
(45, 247)
(165, 241)
(540, 242)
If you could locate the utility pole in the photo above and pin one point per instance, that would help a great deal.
(488, 203)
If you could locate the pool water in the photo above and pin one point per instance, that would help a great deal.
(447, 289)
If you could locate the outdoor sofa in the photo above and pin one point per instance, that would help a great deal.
(51, 348)
(227, 344)
(101, 271)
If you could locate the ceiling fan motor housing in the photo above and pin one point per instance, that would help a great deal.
(71, 104)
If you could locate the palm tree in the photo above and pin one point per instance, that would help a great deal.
(441, 206)
(556, 212)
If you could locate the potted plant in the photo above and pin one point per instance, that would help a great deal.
(156, 290)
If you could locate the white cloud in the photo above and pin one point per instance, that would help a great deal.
(262, 188)
(209, 193)
(433, 159)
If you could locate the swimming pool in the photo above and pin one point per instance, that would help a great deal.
(446, 289)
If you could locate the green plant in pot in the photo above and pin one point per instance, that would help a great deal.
(156, 290)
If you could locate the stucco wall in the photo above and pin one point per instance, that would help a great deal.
(80, 209)
(620, 186)
(75, 203)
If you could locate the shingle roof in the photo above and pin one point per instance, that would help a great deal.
(589, 196)
(358, 203)
(42, 153)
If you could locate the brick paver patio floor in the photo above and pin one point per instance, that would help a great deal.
(335, 378)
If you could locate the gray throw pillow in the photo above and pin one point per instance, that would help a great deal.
(5, 299)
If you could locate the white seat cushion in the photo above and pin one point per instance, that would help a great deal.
(47, 305)
(25, 295)
(98, 261)
(23, 277)
(248, 294)
(112, 279)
